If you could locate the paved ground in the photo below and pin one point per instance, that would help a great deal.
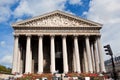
(5, 76)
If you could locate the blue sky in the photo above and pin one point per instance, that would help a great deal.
(106, 12)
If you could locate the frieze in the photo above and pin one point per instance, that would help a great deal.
(57, 31)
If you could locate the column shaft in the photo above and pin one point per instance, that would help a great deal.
(14, 68)
(96, 58)
(19, 61)
(85, 61)
(77, 54)
(102, 66)
(28, 63)
(92, 57)
(74, 62)
(89, 54)
(40, 55)
(52, 54)
(65, 59)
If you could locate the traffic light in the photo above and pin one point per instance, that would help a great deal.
(109, 52)
(108, 49)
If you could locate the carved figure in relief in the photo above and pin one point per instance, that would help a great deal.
(56, 21)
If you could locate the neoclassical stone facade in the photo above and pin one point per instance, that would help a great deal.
(57, 41)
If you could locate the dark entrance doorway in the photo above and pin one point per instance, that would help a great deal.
(58, 54)
(59, 64)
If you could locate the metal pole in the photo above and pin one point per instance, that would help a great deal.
(109, 52)
(113, 65)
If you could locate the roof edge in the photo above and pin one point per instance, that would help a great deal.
(53, 12)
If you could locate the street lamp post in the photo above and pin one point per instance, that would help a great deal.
(109, 52)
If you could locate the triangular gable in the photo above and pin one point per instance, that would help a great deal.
(57, 18)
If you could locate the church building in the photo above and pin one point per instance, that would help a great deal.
(57, 41)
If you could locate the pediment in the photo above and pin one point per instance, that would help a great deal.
(57, 19)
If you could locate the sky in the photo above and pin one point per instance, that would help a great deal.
(106, 12)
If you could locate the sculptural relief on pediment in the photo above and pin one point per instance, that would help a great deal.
(57, 20)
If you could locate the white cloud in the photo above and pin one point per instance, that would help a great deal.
(6, 60)
(37, 7)
(107, 12)
(74, 2)
(7, 2)
(85, 13)
(69, 12)
(2, 43)
(5, 11)
(6, 49)
(31, 7)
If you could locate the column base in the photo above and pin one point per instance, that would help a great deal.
(78, 72)
(103, 71)
(65, 72)
(39, 72)
(14, 72)
(53, 72)
(27, 73)
(90, 71)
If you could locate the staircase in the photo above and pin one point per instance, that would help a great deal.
(61, 77)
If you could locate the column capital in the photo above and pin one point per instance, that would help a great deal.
(87, 35)
(63, 35)
(75, 35)
(52, 35)
(40, 35)
(28, 35)
(95, 39)
(16, 35)
(99, 36)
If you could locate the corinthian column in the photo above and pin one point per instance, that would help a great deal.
(52, 54)
(65, 59)
(92, 57)
(96, 57)
(28, 62)
(77, 54)
(88, 54)
(74, 62)
(102, 66)
(19, 61)
(40, 54)
(85, 61)
(14, 68)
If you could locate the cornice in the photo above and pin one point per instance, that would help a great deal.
(56, 13)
